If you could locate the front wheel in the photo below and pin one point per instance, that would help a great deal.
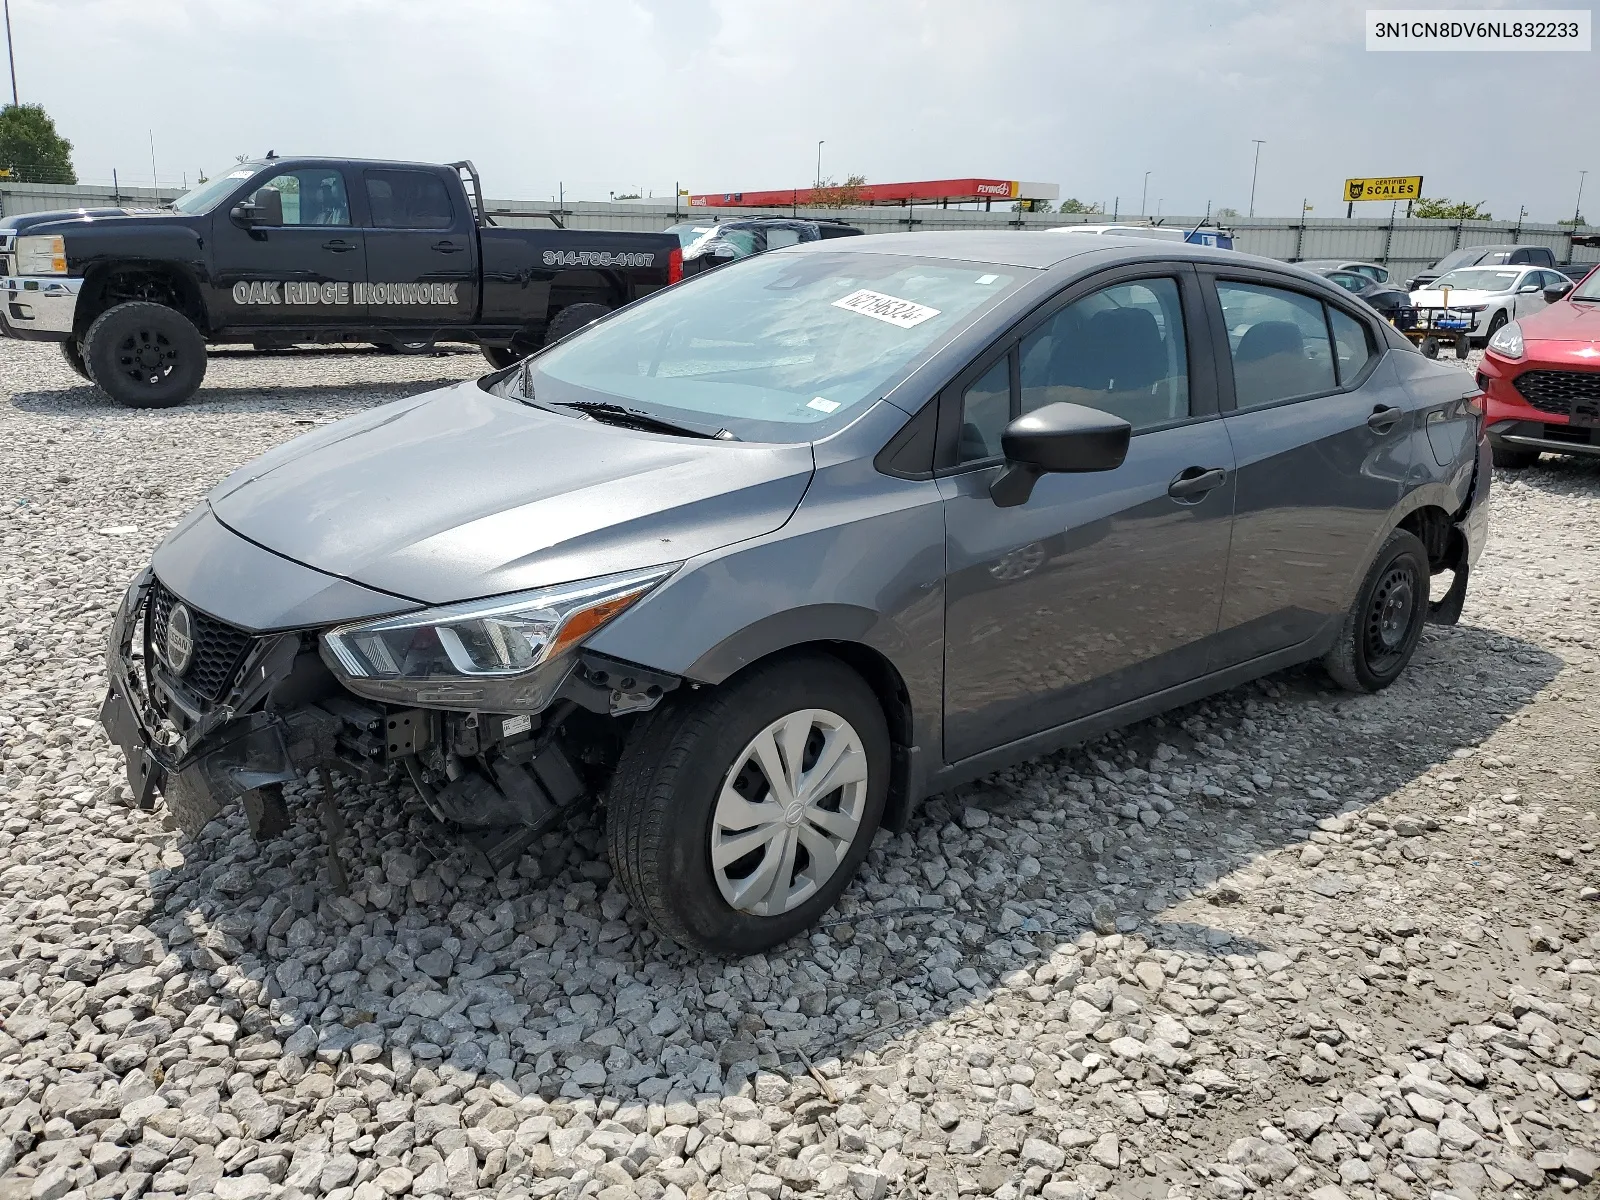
(1496, 325)
(1382, 628)
(737, 816)
(145, 355)
(72, 351)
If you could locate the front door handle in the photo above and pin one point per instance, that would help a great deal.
(338, 245)
(448, 247)
(1194, 482)
(1383, 419)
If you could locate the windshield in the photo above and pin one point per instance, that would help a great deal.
(774, 345)
(1476, 281)
(208, 196)
(1460, 258)
(1589, 289)
(687, 235)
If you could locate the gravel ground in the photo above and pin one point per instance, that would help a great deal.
(1287, 942)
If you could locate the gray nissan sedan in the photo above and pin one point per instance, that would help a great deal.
(761, 561)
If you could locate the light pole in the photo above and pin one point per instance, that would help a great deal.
(1253, 170)
(1577, 209)
(819, 164)
(11, 56)
(1144, 193)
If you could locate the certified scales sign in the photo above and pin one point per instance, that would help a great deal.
(1393, 187)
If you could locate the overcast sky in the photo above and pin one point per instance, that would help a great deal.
(615, 95)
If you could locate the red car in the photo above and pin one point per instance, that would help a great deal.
(1541, 374)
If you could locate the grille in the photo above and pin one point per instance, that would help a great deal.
(219, 648)
(1559, 391)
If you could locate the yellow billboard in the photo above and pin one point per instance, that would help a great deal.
(1393, 187)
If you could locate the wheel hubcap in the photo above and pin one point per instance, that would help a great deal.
(146, 356)
(788, 812)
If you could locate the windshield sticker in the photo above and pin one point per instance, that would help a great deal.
(987, 279)
(892, 309)
(822, 405)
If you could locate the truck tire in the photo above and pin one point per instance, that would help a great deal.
(692, 787)
(501, 357)
(571, 319)
(72, 351)
(145, 355)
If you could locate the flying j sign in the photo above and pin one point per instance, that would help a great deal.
(1395, 187)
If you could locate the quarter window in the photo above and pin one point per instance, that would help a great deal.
(408, 200)
(985, 412)
(312, 196)
(1350, 344)
(1279, 344)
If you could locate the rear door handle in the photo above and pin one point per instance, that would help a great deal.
(338, 245)
(1383, 419)
(448, 247)
(1195, 482)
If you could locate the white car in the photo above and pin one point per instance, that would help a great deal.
(1487, 297)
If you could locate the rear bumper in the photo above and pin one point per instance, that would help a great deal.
(38, 308)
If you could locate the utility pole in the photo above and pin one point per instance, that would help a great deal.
(1577, 209)
(818, 183)
(11, 56)
(1144, 193)
(154, 181)
(1253, 170)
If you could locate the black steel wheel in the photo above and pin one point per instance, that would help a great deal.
(1384, 624)
(145, 355)
(72, 351)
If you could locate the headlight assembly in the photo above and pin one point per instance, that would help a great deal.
(505, 654)
(41, 256)
(1508, 342)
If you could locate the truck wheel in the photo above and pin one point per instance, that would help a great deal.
(1383, 626)
(145, 355)
(737, 815)
(501, 357)
(571, 319)
(72, 351)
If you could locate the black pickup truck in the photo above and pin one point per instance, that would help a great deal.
(293, 250)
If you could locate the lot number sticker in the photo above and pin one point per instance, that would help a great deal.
(904, 313)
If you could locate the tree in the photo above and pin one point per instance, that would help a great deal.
(829, 194)
(31, 147)
(1073, 205)
(1226, 214)
(1449, 210)
(1574, 222)
(1034, 206)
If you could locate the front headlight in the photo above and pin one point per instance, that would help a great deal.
(1508, 342)
(505, 654)
(41, 256)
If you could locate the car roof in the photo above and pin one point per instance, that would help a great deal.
(1039, 250)
(1336, 264)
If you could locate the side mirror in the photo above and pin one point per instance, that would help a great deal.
(1552, 294)
(1527, 289)
(265, 208)
(1058, 438)
(723, 250)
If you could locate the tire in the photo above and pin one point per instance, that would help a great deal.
(1382, 628)
(406, 347)
(1508, 458)
(72, 351)
(571, 319)
(145, 355)
(1499, 322)
(1430, 347)
(672, 794)
(1463, 347)
(501, 357)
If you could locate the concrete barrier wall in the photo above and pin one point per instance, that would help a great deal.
(1404, 246)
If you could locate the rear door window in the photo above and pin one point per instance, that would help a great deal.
(779, 237)
(1279, 343)
(408, 200)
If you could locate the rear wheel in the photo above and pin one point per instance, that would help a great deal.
(145, 355)
(1383, 626)
(1508, 458)
(571, 319)
(72, 351)
(738, 815)
(423, 347)
(500, 357)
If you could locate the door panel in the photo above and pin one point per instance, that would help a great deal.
(301, 273)
(1317, 477)
(1100, 589)
(423, 235)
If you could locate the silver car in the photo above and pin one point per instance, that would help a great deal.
(764, 560)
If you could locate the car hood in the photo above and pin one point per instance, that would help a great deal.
(1566, 321)
(458, 494)
(1459, 297)
(64, 220)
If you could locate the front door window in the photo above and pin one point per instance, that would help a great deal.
(312, 196)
